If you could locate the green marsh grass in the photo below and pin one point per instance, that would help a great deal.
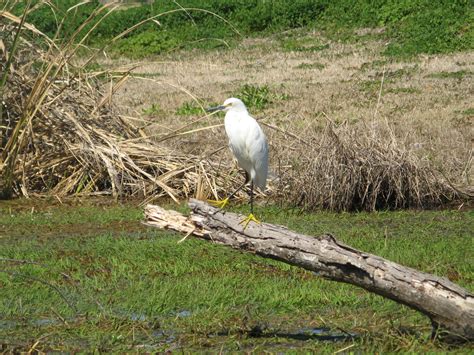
(460, 74)
(318, 66)
(468, 112)
(92, 277)
(189, 109)
(154, 109)
(259, 97)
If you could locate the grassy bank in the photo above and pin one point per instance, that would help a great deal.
(348, 128)
(409, 27)
(91, 277)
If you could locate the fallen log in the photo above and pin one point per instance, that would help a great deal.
(449, 306)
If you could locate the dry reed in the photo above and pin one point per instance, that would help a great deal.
(62, 135)
(352, 169)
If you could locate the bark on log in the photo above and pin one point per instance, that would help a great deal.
(449, 306)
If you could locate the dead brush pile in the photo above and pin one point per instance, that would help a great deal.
(353, 169)
(61, 135)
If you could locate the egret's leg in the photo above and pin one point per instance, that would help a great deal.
(251, 216)
(223, 203)
(251, 198)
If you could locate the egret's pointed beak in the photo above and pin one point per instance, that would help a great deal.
(214, 109)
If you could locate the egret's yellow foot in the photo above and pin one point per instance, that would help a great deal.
(249, 219)
(219, 203)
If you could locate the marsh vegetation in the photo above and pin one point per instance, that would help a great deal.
(368, 109)
(88, 275)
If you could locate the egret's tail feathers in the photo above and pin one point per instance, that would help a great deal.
(261, 183)
(260, 179)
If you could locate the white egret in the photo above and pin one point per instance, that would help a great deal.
(249, 146)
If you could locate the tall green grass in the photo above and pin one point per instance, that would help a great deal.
(412, 26)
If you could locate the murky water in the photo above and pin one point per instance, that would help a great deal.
(313, 333)
(168, 337)
(324, 334)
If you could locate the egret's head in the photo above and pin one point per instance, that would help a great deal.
(229, 104)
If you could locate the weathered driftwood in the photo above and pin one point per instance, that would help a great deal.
(450, 307)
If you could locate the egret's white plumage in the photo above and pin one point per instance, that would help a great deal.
(249, 146)
(247, 141)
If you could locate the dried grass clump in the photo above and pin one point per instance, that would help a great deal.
(353, 169)
(60, 133)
